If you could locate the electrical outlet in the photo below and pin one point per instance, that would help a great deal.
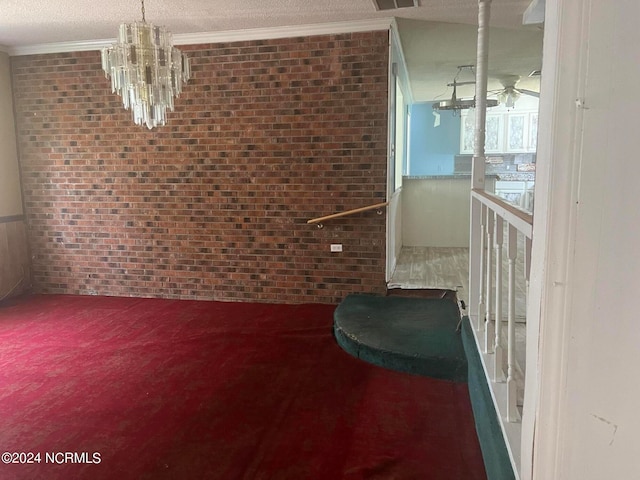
(336, 247)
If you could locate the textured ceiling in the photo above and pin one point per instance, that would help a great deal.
(432, 49)
(29, 22)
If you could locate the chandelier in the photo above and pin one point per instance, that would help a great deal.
(146, 70)
(456, 104)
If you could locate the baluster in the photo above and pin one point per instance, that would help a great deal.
(512, 253)
(498, 371)
(483, 213)
(489, 332)
(527, 265)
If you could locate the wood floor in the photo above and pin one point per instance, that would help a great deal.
(432, 267)
(447, 268)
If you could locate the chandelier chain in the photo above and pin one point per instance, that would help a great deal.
(143, 19)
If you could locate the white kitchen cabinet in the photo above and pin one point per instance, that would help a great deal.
(506, 132)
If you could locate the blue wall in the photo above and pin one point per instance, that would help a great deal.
(432, 149)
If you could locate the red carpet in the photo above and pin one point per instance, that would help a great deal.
(168, 389)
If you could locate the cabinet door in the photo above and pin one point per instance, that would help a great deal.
(494, 136)
(517, 133)
(505, 132)
(533, 132)
(467, 136)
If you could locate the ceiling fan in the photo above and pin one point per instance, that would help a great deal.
(509, 93)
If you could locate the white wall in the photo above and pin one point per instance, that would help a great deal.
(586, 265)
(10, 199)
(437, 211)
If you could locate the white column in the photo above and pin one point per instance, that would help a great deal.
(476, 253)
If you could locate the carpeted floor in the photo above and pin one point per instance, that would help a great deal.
(167, 389)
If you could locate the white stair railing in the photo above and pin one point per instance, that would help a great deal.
(503, 268)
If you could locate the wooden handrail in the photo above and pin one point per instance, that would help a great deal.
(492, 201)
(319, 220)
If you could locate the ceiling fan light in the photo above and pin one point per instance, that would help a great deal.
(510, 101)
(508, 97)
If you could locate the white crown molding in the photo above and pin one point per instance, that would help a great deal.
(283, 32)
(218, 37)
(61, 47)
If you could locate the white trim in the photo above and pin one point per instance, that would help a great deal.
(61, 47)
(395, 34)
(218, 37)
(283, 32)
(395, 206)
(391, 131)
(565, 61)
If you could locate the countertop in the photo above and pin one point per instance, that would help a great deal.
(455, 176)
(517, 177)
(504, 177)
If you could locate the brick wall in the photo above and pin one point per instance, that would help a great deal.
(266, 135)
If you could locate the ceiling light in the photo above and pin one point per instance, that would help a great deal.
(146, 70)
(508, 97)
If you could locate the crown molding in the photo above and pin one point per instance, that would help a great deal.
(61, 47)
(218, 37)
(283, 32)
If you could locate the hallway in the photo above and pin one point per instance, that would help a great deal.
(433, 267)
(447, 268)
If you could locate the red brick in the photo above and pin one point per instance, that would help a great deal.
(266, 135)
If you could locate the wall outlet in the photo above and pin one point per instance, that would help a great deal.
(336, 247)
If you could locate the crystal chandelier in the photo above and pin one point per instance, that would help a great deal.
(146, 70)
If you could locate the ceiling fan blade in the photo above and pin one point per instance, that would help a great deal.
(531, 93)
